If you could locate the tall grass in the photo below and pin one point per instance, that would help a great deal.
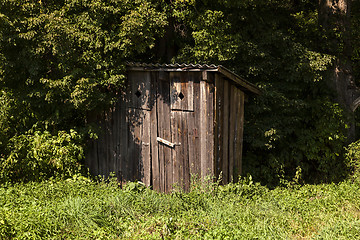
(82, 209)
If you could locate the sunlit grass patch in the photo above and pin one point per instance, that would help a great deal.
(84, 209)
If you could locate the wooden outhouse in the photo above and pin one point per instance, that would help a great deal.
(171, 122)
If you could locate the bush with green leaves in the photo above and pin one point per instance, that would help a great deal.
(39, 155)
(353, 158)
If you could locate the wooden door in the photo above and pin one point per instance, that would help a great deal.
(162, 164)
(163, 147)
(182, 127)
(176, 128)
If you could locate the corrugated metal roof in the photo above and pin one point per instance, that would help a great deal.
(173, 65)
(244, 84)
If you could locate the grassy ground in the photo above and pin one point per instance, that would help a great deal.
(83, 209)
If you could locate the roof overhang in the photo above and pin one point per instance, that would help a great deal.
(239, 81)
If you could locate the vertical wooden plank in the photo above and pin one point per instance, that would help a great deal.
(111, 141)
(191, 135)
(146, 91)
(155, 168)
(134, 144)
(102, 146)
(118, 139)
(181, 91)
(196, 161)
(185, 151)
(204, 75)
(132, 149)
(126, 140)
(161, 133)
(210, 126)
(107, 157)
(139, 164)
(108, 143)
(216, 130)
(203, 129)
(225, 130)
(176, 150)
(207, 127)
(114, 139)
(191, 143)
(219, 90)
(210, 114)
(99, 146)
(136, 160)
(232, 130)
(175, 89)
(239, 134)
(105, 160)
(180, 155)
(123, 144)
(128, 167)
(145, 149)
(164, 131)
(112, 147)
(188, 84)
(139, 89)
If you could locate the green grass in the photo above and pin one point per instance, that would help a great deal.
(84, 209)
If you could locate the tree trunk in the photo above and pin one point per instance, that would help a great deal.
(166, 48)
(334, 20)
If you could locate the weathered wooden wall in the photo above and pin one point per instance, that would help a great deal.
(229, 120)
(124, 146)
(200, 112)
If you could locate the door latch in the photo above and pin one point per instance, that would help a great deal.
(166, 142)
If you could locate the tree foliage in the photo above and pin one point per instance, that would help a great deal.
(62, 61)
(294, 124)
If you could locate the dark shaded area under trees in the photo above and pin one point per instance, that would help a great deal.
(62, 62)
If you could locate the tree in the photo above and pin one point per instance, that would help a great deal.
(60, 61)
(294, 124)
(335, 21)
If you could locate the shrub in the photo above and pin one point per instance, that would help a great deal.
(39, 155)
(353, 158)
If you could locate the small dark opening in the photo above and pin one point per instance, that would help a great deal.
(138, 93)
(181, 96)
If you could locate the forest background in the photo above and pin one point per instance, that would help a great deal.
(62, 61)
